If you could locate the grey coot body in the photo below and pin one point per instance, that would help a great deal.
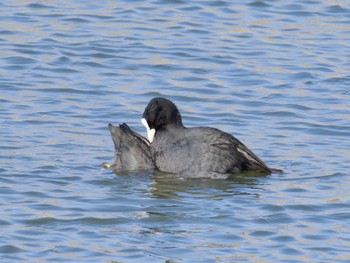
(194, 152)
(132, 151)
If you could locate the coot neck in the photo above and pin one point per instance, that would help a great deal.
(173, 127)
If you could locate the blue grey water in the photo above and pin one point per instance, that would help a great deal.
(274, 73)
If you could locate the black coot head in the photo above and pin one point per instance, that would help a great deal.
(161, 113)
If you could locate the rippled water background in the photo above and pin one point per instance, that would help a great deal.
(275, 73)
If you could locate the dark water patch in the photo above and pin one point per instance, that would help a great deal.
(337, 9)
(10, 249)
(87, 221)
(169, 2)
(19, 60)
(7, 32)
(106, 55)
(273, 208)
(91, 64)
(4, 223)
(59, 70)
(24, 18)
(295, 190)
(338, 80)
(262, 233)
(340, 216)
(192, 8)
(46, 207)
(77, 20)
(301, 14)
(39, 6)
(80, 35)
(284, 239)
(7, 191)
(28, 51)
(35, 194)
(283, 114)
(329, 130)
(259, 4)
(304, 208)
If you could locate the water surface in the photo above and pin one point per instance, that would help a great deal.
(273, 73)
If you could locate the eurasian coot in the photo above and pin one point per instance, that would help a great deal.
(194, 152)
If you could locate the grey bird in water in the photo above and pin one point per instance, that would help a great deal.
(194, 152)
(200, 152)
(132, 151)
